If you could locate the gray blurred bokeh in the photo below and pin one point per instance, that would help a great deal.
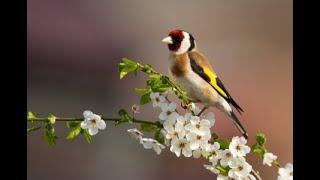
(73, 50)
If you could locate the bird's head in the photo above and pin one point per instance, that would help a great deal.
(179, 41)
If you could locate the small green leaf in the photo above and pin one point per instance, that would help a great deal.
(148, 127)
(261, 138)
(31, 115)
(126, 66)
(33, 129)
(74, 132)
(145, 98)
(224, 144)
(125, 117)
(86, 135)
(159, 137)
(50, 135)
(142, 90)
(52, 118)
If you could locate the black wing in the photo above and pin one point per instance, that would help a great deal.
(199, 70)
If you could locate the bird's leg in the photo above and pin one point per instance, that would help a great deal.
(202, 110)
(184, 106)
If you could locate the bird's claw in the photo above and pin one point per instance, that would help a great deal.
(183, 106)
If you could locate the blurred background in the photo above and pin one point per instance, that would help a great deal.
(73, 50)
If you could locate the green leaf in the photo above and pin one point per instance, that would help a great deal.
(86, 135)
(125, 117)
(50, 135)
(222, 170)
(33, 129)
(261, 138)
(148, 127)
(126, 66)
(142, 90)
(31, 115)
(159, 137)
(52, 118)
(145, 98)
(154, 80)
(148, 69)
(224, 144)
(74, 132)
(258, 149)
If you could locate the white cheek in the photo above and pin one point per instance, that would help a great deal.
(185, 44)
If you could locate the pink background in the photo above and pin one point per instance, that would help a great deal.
(73, 50)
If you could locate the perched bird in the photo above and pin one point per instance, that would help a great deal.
(191, 70)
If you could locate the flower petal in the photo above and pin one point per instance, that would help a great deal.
(96, 117)
(194, 119)
(87, 114)
(172, 107)
(163, 116)
(186, 151)
(93, 131)
(194, 145)
(215, 146)
(205, 123)
(197, 153)
(189, 127)
(101, 124)
(157, 149)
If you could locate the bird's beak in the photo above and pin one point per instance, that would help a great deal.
(167, 40)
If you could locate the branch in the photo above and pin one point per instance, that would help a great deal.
(104, 118)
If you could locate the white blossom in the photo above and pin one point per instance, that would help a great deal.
(197, 141)
(181, 145)
(198, 126)
(204, 152)
(238, 147)
(149, 143)
(168, 112)
(239, 168)
(286, 173)
(174, 128)
(268, 158)
(135, 108)
(226, 157)
(135, 133)
(157, 99)
(216, 153)
(92, 122)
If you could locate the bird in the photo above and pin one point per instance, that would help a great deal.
(192, 71)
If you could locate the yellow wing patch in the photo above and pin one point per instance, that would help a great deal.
(213, 80)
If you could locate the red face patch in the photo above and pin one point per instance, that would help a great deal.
(177, 36)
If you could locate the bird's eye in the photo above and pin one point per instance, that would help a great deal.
(175, 39)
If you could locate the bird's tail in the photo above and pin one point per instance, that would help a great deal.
(238, 124)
